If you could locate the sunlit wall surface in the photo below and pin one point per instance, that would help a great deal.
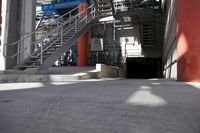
(188, 40)
(169, 48)
(130, 41)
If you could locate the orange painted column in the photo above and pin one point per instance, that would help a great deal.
(83, 40)
(188, 40)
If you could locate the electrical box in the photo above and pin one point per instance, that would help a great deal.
(96, 44)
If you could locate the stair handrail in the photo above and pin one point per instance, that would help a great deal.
(74, 18)
(46, 35)
(77, 20)
(41, 27)
(31, 34)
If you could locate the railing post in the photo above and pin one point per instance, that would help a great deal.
(75, 26)
(61, 38)
(94, 12)
(18, 56)
(153, 4)
(86, 11)
(41, 55)
(70, 15)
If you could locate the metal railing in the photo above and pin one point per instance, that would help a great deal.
(127, 5)
(43, 42)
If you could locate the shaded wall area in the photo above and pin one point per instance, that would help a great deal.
(144, 68)
(169, 48)
(12, 30)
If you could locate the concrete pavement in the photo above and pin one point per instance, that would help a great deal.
(100, 106)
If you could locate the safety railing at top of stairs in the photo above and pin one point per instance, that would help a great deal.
(52, 36)
(127, 5)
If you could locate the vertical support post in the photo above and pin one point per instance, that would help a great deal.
(27, 12)
(83, 40)
(18, 49)
(125, 50)
(160, 4)
(114, 46)
(57, 25)
(97, 56)
(70, 15)
(126, 43)
(86, 17)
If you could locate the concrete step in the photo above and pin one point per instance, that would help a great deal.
(61, 74)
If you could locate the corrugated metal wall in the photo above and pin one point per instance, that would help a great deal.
(169, 48)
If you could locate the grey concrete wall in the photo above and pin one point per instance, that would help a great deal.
(18, 22)
(12, 30)
(27, 26)
(169, 49)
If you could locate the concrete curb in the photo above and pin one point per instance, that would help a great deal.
(102, 71)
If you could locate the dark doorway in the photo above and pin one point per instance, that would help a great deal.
(144, 68)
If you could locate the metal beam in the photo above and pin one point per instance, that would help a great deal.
(61, 5)
(38, 24)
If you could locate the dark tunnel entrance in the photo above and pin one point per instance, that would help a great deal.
(144, 68)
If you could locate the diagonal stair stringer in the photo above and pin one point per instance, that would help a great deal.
(59, 52)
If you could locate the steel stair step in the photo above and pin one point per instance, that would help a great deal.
(105, 11)
(28, 66)
(51, 49)
(148, 35)
(103, 2)
(30, 61)
(57, 46)
(47, 53)
(105, 6)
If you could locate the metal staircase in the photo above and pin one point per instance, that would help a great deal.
(104, 8)
(46, 49)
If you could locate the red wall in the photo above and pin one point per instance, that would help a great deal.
(188, 40)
